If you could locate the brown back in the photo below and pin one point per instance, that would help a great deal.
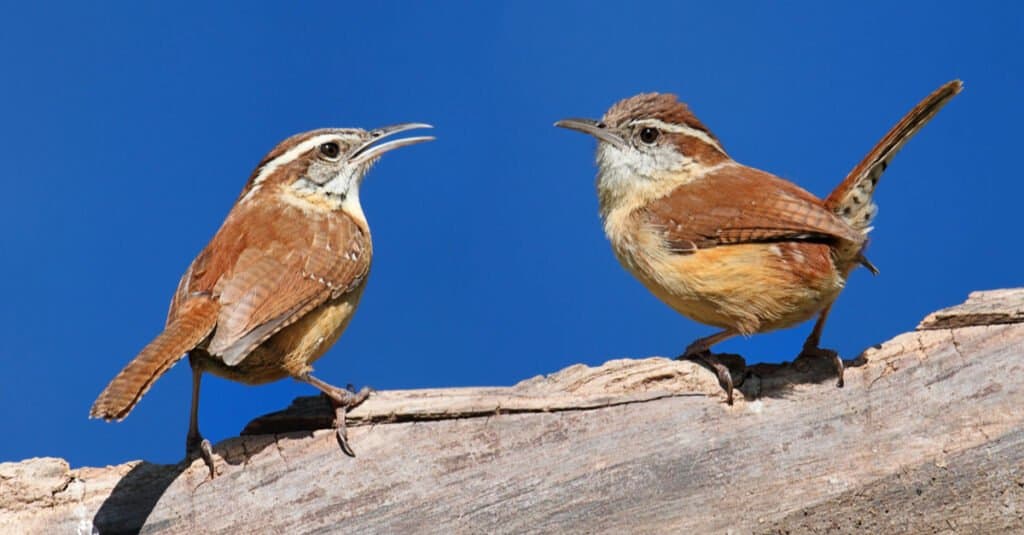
(738, 204)
(268, 265)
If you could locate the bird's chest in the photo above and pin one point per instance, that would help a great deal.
(742, 286)
(670, 276)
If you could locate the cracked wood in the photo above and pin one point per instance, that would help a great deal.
(926, 433)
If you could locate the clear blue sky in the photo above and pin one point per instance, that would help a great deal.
(128, 132)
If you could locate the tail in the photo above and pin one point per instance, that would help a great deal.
(193, 324)
(851, 200)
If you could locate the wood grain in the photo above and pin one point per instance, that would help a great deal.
(927, 436)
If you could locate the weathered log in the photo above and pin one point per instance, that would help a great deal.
(927, 436)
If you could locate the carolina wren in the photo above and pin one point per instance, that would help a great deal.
(277, 284)
(725, 244)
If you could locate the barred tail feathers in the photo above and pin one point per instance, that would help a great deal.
(193, 325)
(852, 199)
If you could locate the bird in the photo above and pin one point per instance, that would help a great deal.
(726, 244)
(277, 284)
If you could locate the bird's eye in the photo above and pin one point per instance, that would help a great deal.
(649, 135)
(330, 150)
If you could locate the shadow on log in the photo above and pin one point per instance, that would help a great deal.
(927, 435)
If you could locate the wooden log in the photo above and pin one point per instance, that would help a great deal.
(927, 436)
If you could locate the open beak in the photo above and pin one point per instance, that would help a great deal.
(594, 128)
(372, 149)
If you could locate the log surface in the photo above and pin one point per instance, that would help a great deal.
(927, 436)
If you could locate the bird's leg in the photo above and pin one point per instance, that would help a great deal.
(700, 350)
(194, 442)
(342, 399)
(811, 346)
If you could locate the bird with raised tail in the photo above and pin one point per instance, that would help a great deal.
(277, 284)
(725, 244)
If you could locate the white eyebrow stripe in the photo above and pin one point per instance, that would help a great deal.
(682, 129)
(291, 155)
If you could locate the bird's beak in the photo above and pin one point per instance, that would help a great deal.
(370, 150)
(594, 128)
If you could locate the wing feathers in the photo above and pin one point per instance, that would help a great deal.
(269, 265)
(741, 205)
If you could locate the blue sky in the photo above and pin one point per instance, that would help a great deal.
(128, 132)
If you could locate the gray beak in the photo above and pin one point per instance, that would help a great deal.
(370, 150)
(594, 128)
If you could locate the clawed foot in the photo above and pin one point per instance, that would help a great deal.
(196, 445)
(811, 350)
(343, 400)
(702, 354)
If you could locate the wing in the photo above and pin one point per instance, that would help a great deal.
(740, 204)
(270, 265)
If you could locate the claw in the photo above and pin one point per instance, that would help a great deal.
(702, 354)
(341, 431)
(343, 401)
(724, 379)
(206, 450)
(201, 446)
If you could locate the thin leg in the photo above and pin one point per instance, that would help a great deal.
(701, 350)
(814, 339)
(343, 400)
(812, 346)
(195, 442)
(702, 345)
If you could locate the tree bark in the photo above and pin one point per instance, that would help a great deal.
(926, 436)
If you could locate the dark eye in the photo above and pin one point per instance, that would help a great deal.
(649, 135)
(330, 150)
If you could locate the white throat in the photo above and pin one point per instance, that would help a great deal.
(629, 178)
(341, 192)
(627, 172)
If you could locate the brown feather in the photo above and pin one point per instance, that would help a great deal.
(271, 263)
(299, 163)
(851, 199)
(192, 324)
(708, 213)
(664, 107)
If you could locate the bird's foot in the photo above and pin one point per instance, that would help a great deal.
(702, 355)
(197, 446)
(343, 400)
(813, 351)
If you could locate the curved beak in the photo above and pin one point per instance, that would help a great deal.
(595, 128)
(371, 149)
